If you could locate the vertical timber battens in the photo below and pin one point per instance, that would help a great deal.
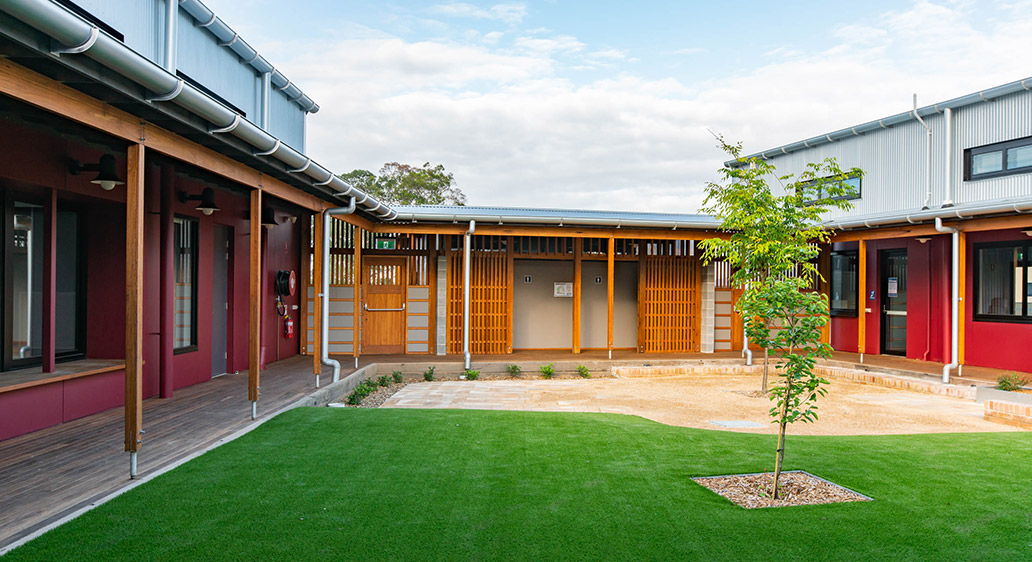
(861, 327)
(577, 248)
(610, 265)
(317, 257)
(255, 304)
(824, 285)
(50, 284)
(510, 250)
(356, 275)
(134, 302)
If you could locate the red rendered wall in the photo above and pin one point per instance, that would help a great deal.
(1000, 345)
(36, 163)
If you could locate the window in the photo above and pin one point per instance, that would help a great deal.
(1000, 159)
(185, 253)
(813, 191)
(844, 283)
(23, 281)
(1003, 285)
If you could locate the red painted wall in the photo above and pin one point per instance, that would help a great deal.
(37, 163)
(926, 311)
(1000, 345)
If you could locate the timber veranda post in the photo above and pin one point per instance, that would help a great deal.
(255, 302)
(134, 302)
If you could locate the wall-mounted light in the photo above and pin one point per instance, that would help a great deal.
(206, 200)
(107, 176)
(269, 217)
(923, 239)
(1027, 232)
(292, 219)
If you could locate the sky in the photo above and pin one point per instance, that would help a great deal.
(613, 105)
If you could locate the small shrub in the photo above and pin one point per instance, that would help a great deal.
(364, 388)
(472, 375)
(514, 370)
(583, 371)
(428, 374)
(547, 371)
(383, 380)
(397, 376)
(1011, 382)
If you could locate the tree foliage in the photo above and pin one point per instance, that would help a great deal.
(402, 184)
(772, 248)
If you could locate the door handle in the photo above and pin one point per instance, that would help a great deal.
(894, 312)
(366, 308)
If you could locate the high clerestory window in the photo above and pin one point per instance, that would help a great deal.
(814, 190)
(1003, 284)
(1000, 159)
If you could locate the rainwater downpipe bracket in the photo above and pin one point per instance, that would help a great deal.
(324, 292)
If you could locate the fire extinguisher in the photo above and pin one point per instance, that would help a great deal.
(288, 327)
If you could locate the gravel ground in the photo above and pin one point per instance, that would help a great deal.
(796, 488)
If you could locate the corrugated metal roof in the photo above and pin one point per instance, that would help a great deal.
(885, 123)
(440, 213)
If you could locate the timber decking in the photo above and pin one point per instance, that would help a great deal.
(50, 473)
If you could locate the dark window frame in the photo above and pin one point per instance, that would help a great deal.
(846, 312)
(821, 181)
(1001, 147)
(1026, 302)
(195, 228)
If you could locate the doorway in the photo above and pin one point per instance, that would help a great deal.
(894, 302)
(221, 256)
(383, 304)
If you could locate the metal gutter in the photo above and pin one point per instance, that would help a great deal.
(1015, 205)
(67, 28)
(885, 123)
(557, 220)
(228, 38)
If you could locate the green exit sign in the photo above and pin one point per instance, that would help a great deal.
(386, 244)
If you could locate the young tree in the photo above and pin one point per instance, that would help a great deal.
(401, 184)
(772, 248)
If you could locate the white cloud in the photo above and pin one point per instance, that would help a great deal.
(516, 131)
(508, 13)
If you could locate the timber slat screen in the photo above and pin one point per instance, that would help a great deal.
(669, 281)
(490, 322)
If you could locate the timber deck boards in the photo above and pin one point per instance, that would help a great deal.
(50, 473)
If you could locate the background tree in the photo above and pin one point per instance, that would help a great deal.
(772, 248)
(402, 184)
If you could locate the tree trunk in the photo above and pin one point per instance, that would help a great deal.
(766, 363)
(779, 454)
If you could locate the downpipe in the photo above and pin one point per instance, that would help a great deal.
(928, 156)
(324, 292)
(955, 309)
(466, 291)
(745, 348)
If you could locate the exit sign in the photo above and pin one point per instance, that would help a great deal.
(386, 244)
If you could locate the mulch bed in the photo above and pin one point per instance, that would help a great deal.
(796, 488)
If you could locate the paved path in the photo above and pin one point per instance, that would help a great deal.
(709, 402)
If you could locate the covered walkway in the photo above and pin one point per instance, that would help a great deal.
(51, 473)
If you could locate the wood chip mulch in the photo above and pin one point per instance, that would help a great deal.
(379, 396)
(796, 488)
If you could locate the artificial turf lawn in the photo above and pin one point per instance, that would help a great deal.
(347, 484)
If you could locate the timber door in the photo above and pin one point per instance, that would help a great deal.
(383, 304)
(894, 302)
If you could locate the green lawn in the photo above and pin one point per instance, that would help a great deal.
(348, 484)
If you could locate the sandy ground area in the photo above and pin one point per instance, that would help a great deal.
(709, 402)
